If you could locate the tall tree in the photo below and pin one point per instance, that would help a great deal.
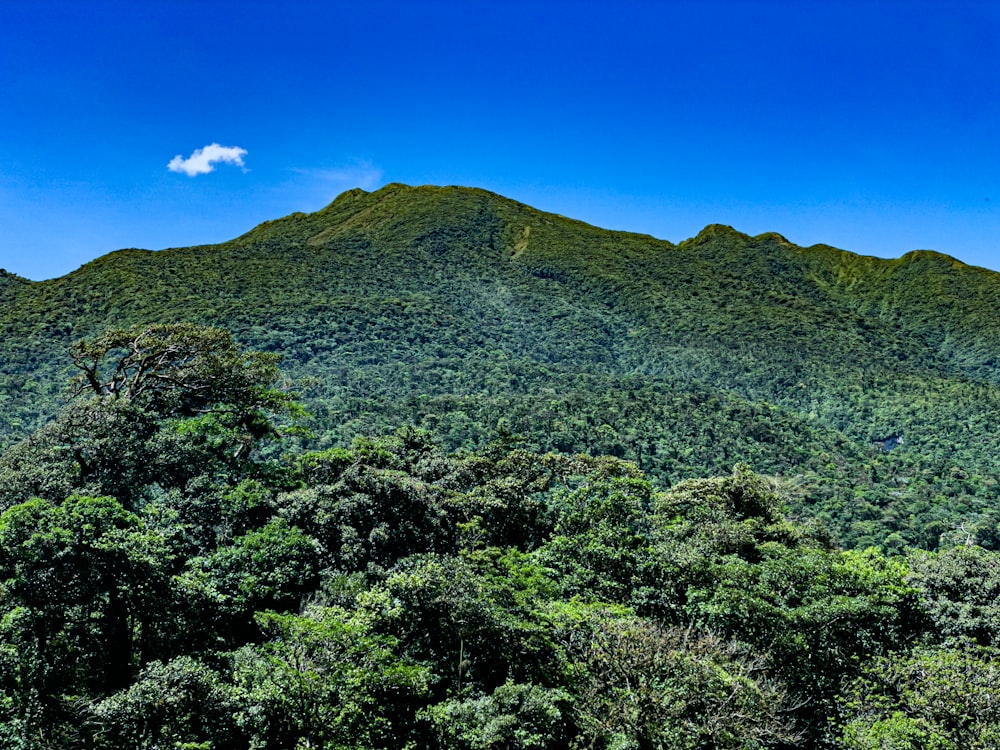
(156, 405)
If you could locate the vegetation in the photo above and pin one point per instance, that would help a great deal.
(511, 503)
(470, 315)
(220, 591)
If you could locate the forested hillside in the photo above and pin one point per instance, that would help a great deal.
(176, 572)
(472, 316)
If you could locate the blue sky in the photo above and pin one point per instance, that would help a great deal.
(872, 126)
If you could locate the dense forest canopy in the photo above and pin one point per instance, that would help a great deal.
(175, 571)
(465, 313)
(430, 468)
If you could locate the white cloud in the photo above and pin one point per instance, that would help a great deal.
(203, 160)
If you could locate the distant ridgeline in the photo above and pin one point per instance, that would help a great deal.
(475, 317)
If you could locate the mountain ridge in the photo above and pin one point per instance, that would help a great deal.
(331, 211)
(454, 308)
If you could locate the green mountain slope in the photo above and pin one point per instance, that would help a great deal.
(466, 313)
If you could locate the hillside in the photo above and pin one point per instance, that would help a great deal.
(469, 315)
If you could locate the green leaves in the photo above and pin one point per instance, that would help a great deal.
(85, 590)
(174, 369)
(273, 568)
(181, 701)
(933, 698)
(178, 402)
(641, 685)
(325, 680)
(515, 716)
(961, 593)
(392, 595)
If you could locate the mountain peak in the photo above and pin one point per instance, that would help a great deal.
(772, 237)
(931, 258)
(715, 232)
(450, 307)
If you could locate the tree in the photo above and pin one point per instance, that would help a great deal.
(156, 405)
(185, 370)
(935, 698)
(324, 680)
(182, 701)
(516, 716)
(181, 368)
(960, 592)
(272, 568)
(600, 546)
(375, 504)
(643, 686)
(744, 572)
(85, 587)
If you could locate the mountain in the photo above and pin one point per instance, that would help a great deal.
(472, 316)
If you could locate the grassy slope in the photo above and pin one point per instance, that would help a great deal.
(457, 309)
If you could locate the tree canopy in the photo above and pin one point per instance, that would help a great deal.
(163, 585)
(457, 310)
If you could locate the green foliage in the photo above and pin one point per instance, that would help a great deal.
(180, 369)
(91, 447)
(515, 716)
(85, 591)
(170, 578)
(600, 544)
(178, 704)
(325, 680)
(274, 568)
(642, 686)
(457, 310)
(740, 570)
(961, 592)
(941, 699)
(374, 505)
(474, 618)
(181, 401)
